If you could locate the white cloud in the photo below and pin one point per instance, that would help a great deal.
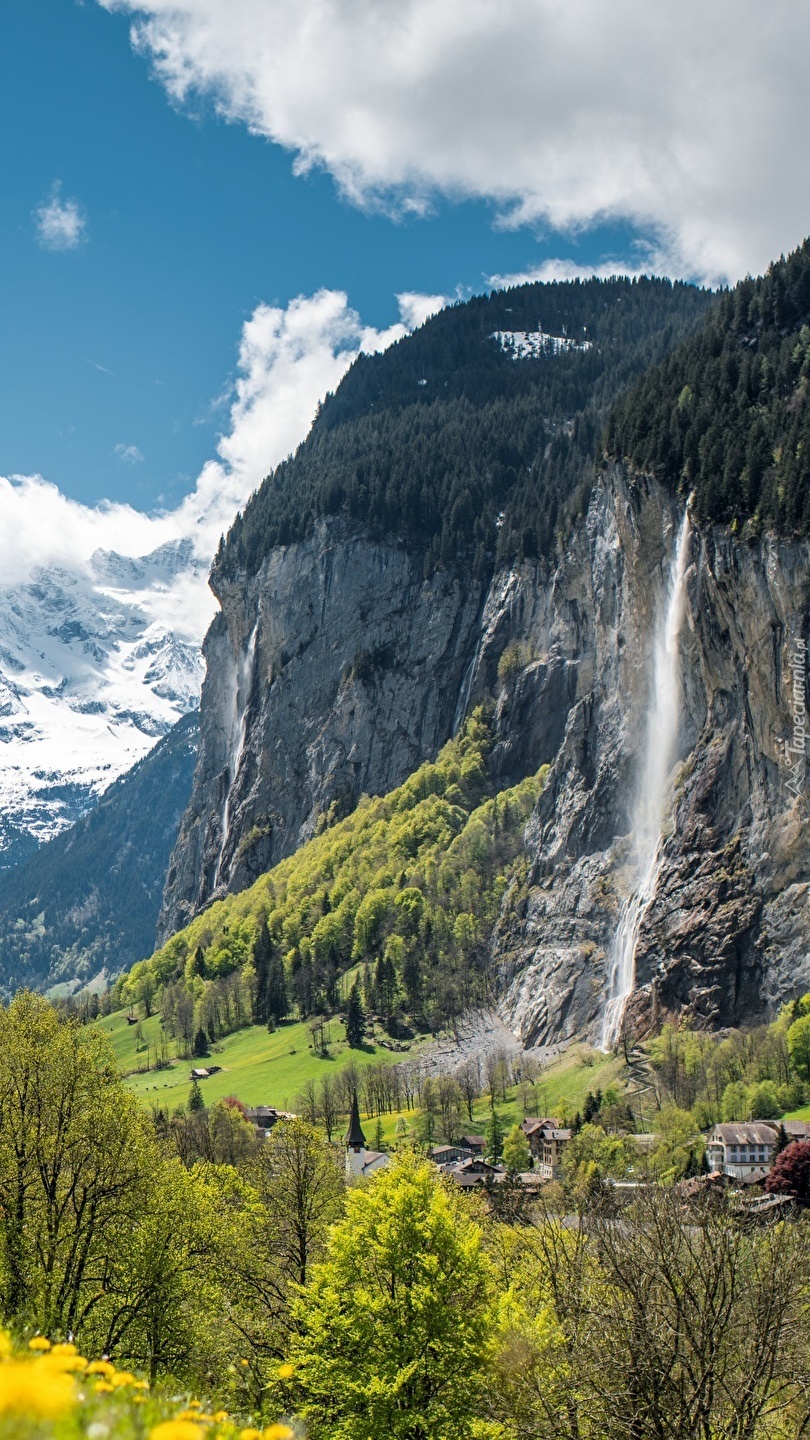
(558, 269)
(415, 309)
(130, 454)
(288, 360)
(60, 224)
(686, 119)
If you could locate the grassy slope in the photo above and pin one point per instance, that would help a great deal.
(260, 1067)
(271, 1069)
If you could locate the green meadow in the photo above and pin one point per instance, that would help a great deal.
(264, 1067)
(259, 1066)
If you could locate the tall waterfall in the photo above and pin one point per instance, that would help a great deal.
(648, 812)
(243, 684)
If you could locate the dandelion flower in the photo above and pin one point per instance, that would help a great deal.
(278, 1432)
(250, 1434)
(39, 1342)
(100, 1367)
(64, 1348)
(177, 1430)
(103, 1387)
(286, 1372)
(33, 1390)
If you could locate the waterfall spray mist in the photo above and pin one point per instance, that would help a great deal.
(242, 688)
(648, 813)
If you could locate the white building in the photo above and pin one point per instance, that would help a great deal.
(360, 1162)
(742, 1148)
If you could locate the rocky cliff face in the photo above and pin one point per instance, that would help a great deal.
(338, 668)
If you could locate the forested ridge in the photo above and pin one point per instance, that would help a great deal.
(726, 415)
(448, 443)
(407, 888)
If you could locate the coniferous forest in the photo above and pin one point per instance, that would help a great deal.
(727, 416)
(449, 444)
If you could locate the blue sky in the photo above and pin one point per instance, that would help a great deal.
(129, 339)
(502, 135)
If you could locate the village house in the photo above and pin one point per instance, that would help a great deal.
(264, 1117)
(449, 1154)
(547, 1142)
(742, 1149)
(469, 1173)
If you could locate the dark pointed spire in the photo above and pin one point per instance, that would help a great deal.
(355, 1139)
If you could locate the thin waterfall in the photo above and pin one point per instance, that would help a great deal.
(648, 813)
(243, 687)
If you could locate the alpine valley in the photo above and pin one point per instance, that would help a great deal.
(504, 540)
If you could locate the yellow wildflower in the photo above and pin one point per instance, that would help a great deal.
(140, 1384)
(244, 1362)
(286, 1372)
(39, 1342)
(100, 1367)
(103, 1387)
(64, 1348)
(250, 1434)
(194, 1405)
(190, 1413)
(177, 1430)
(219, 1416)
(278, 1432)
(122, 1378)
(33, 1390)
(61, 1357)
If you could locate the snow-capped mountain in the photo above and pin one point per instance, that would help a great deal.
(91, 675)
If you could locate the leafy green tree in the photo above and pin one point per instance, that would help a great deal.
(592, 1154)
(355, 1019)
(78, 1162)
(516, 1152)
(763, 1101)
(798, 1043)
(394, 1325)
(734, 1104)
(679, 1144)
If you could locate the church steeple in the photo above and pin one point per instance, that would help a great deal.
(355, 1139)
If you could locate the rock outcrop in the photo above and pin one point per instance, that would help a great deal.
(338, 667)
(356, 671)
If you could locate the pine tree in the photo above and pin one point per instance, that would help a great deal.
(200, 1044)
(277, 1000)
(495, 1136)
(262, 960)
(195, 1099)
(412, 981)
(355, 1019)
